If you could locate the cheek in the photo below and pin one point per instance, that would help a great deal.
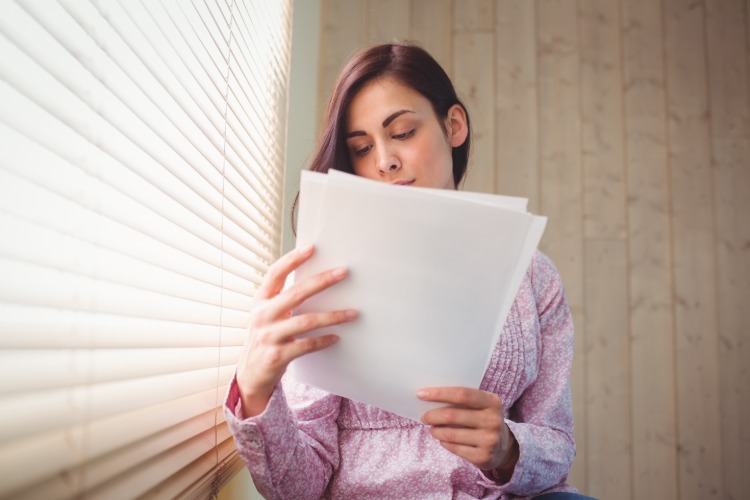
(441, 159)
(361, 169)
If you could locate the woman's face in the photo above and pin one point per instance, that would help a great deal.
(394, 136)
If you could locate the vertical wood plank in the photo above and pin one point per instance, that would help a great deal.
(698, 391)
(607, 370)
(730, 143)
(650, 263)
(607, 343)
(732, 193)
(389, 21)
(728, 72)
(601, 106)
(742, 208)
(432, 28)
(474, 81)
(344, 32)
(560, 184)
(516, 139)
(473, 16)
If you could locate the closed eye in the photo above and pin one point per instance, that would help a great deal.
(362, 151)
(405, 135)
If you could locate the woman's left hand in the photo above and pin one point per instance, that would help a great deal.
(472, 426)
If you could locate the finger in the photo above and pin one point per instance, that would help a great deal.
(297, 294)
(273, 281)
(464, 436)
(451, 416)
(461, 396)
(286, 330)
(300, 347)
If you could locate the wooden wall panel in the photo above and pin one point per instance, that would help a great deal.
(344, 31)
(516, 138)
(432, 28)
(474, 81)
(732, 194)
(604, 225)
(627, 123)
(607, 394)
(698, 419)
(730, 143)
(560, 182)
(602, 120)
(650, 253)
(473, 16)
(389, 21)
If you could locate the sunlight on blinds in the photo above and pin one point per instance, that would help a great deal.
(141, 169)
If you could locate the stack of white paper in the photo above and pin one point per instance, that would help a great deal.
(432, 272)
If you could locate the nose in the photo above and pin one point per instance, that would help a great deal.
(388, 163)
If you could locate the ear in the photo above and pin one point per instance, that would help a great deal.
(457, 125)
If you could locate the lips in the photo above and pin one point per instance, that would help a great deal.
(403, 182)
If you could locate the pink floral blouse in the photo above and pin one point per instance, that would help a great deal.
(312, 444)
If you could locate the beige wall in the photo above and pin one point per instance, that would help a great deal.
(627, 123)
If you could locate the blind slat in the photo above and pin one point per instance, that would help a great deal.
(28, 327)
(134, 78)
(110, 266)
(56, 57)
(111, 454)
(211, 217)
(140, 479)
(78, 367)
(140, 195)
(26, 415)
(177, 236)
(85, 191)
(208, 466)
(177, 59)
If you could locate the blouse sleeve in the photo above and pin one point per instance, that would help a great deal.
(542, 418)
(290, 454)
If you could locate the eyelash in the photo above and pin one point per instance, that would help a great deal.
(405, 135)
(398, 137)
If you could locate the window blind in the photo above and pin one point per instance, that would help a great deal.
(141, 155)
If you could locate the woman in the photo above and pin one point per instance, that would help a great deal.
(394, 117)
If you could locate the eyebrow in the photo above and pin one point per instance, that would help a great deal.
(385, 123)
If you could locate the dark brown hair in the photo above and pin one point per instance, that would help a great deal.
(406, 63)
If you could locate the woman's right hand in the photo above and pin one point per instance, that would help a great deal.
(273, 331)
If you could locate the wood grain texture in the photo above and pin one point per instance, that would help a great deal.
(698, 392)
(390, 20)
(626, 122)
(608, 440)
(516, 137)
(602, 121)
(473, 16)
(432, 28)
(732, 194)
(344, 31)
(474, 81)
(730, 143)
(650, 253)
(560, 185)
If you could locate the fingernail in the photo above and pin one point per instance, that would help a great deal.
(307, 250)
(421, 394)
(351, 313)
(339, 272)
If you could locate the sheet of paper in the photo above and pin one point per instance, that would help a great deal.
(433, 277)
(495, 200)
